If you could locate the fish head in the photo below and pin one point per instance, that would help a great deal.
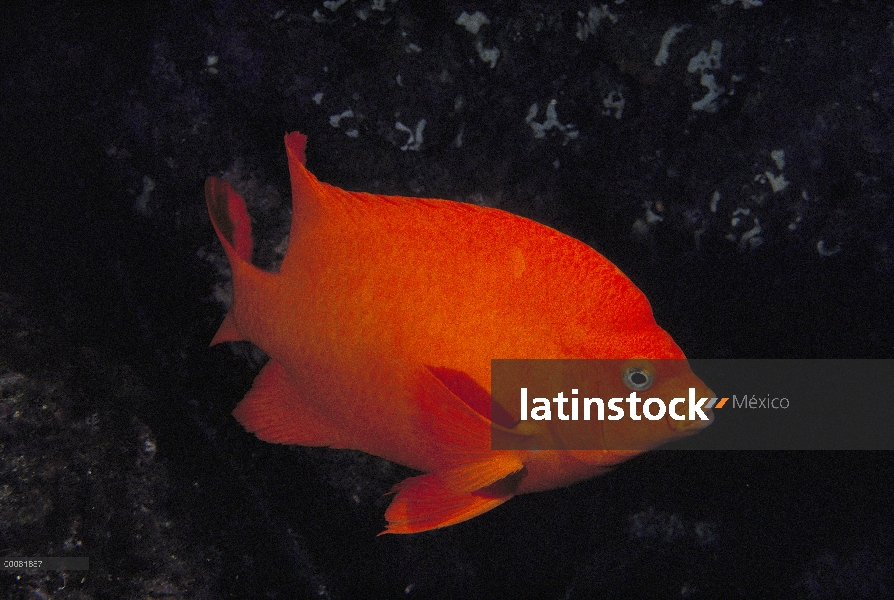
(663, 400)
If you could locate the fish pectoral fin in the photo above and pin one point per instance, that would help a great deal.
(426, 502)
(462, 433)
(274, 412)
(465, 436)
(479, 474)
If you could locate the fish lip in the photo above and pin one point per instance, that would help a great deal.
(694, 426)
(690, 427)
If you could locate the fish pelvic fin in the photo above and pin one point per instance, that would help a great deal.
(471, 478)
(427, 502)
(491, 468)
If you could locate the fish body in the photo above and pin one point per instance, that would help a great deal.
(382, 322)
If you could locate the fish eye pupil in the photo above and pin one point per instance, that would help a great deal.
(637, 378)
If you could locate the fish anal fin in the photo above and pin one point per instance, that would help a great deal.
(425, 502)
(273, 410)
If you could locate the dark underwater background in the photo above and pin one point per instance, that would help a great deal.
(116, 440)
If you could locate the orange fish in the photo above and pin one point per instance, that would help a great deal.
(382, 322)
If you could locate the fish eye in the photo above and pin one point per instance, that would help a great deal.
(638, 377)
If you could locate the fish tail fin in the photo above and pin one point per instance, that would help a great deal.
(232, 224)
(229, 216)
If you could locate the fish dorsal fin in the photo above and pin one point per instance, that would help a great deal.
(308, 192)
(296, 143)
(273, 411)
(317, 207)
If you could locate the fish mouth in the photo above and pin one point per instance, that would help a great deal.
(691, 426)
(696, 425)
